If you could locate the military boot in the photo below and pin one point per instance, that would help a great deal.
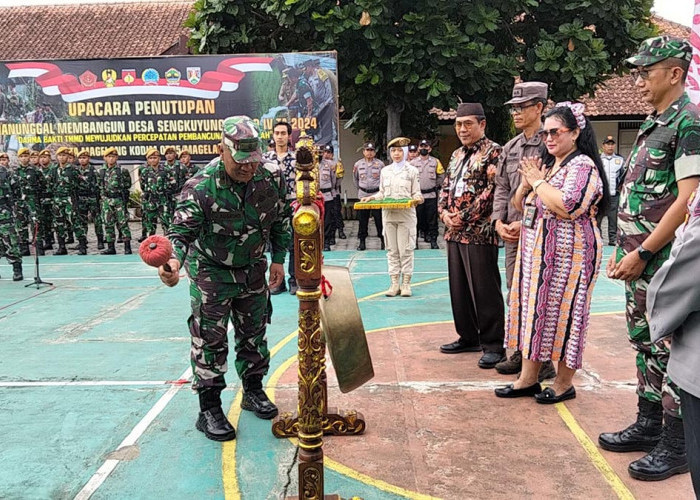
(110, 249)
(547, 371)
(82, 245)
(406, 286)
(39, 248)
(127, 247)
(512, 365)
(394, 289)
(61, 247)
(255, 399)
(381, 246)
(143, 236)
(362, 245)
(211, 420)
(643, 435)
(70, 239)
(434, 244)
(341, 234)
(667, 458)
(48, 244)
(17, 271)
(100, 242)
(25, 249)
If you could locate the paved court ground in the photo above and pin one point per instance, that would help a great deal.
(94, 399)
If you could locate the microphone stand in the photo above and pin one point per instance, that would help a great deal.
(37, 279)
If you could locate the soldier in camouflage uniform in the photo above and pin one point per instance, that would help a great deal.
(661, 173)
(46, 217)
(187, 168)
(27, 209)
(9, 192)
(70, 230)
(89, 202)
(223, 222)
(63, 184)
(157, 184)
(113, 206)
(173, 164)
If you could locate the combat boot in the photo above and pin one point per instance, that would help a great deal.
(100, 242)
(512, 365)
(381, 239)
(48, 245)
(406, 286)
(143, 236)
(17, 271)
(82, 245)
(127, 247)
(110, 249)
(394, 289)
(668, 457)
(547, 371)
(643, 435)
(61, 247)
(341, 234)
(255, 399)
(70, 239)
(211, 420)
(362, 245)
(434, 245)
(25, 249)
(39, 248)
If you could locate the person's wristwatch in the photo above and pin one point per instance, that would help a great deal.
(644, 254)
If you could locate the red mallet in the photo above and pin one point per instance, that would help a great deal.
(156, 251)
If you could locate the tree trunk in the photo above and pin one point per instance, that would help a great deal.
(393, 120)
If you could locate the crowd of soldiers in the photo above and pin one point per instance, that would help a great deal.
(46, 203)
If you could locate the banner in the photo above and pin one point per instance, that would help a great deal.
(692, 83)
(180, 101)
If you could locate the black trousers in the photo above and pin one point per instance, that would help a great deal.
(427, 214)
(364, 222)
(611, 214)
(338, 213)
(475, 293)
(690, 406)
(328, 221)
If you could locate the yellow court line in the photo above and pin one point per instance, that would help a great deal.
(592, 450)
(228, 449)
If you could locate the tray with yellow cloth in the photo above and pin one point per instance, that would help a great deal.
(393, 203)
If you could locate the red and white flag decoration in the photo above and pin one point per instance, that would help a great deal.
(692, 84)
(72, 88)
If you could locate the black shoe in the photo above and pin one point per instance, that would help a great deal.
(549, 397)
(642, 435)
(110, 249)
(17, 271)
(61, 247)
(434, 245)
(100, 242)
(341, 234)
(48, 245)
(457, 347)
(382, 246)
(214, 424)
(70, 240)
(491, 359)
(326, 248)
(40, 249)
(332, 241)
(142, 238)
(667, 458)
(82, 247)
(279, 289)
(509, 392)
(362, 245)
(293, 288)
(25, 249)
(257, 402)
(127, 247)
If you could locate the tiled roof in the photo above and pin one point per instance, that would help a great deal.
(94, 31)
(617, 96)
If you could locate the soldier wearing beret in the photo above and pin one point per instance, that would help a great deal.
(465, 207)
(46, 218)
(661, 173)
(157, 183)
(113, 203)
(9, 192)
(89, 202)
(366, 173)
(224, 220)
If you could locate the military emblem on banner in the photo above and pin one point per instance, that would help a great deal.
(172, 76)
(194, 74)
(150, 76)
(128, 76)
(109, 76)
(88, 79)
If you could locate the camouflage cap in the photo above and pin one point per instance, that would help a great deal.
(241, 137)
(110, 151)
(23, 151)
(659, 48)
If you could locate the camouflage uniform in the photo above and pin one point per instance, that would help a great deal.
(46, 218)
(89, 202)
(187, 171)
(222, 227)
(176, 171)
(33, 187)
(667, 149)
(63, 184)
(113, 206)
(157, 185)
(9, 192)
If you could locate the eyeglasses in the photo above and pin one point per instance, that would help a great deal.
(643, 73)
(519, 109)
(553, 132)
(466, 124)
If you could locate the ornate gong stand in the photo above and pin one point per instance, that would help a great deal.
(313, 420)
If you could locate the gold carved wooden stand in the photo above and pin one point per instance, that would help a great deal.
(313, 420)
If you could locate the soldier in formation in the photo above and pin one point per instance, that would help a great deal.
(9, 193)
(112, 186)
(88, 202)
(28, 207)
(157, 183)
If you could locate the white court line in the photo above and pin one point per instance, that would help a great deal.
(110, 464)
(88, 383)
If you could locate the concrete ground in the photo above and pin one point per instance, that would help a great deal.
(94, 400)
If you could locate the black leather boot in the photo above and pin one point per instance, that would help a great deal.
(143, 236)
(48, 245)
(70, 240)
(100, 242)
(211, 420)
(127, 247)
(643, 435)
(82, 246)
(25, 249)
(17, 271)
(341, 234)
(61, 247)
(668, 458)
(362, 245)
(255, 399)
(110, 249)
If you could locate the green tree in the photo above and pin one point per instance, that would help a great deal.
(400, 58)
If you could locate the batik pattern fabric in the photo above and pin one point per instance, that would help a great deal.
(555, 270)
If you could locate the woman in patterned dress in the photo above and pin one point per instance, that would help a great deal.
(558, 256)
